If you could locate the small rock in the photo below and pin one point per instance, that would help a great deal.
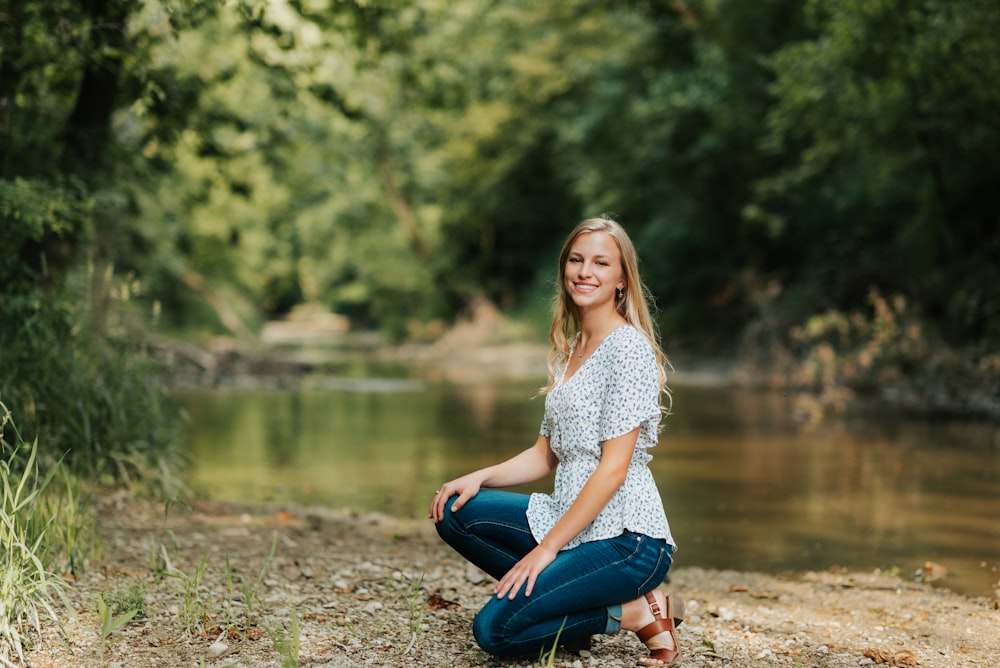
(217, 649)
(726, 615)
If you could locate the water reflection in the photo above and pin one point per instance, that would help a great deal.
(745, 486)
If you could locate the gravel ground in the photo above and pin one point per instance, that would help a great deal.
(369, 590)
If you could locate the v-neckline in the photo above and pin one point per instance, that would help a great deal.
(565, 380)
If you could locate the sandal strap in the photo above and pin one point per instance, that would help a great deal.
(655, 628)
(654, 607)
(664, 621)
(662, 657)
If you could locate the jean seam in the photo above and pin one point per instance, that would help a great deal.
(634, 552)
(507, 525)
(659, 560)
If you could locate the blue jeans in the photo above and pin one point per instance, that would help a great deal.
(578, 595)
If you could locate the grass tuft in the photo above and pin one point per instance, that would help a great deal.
(27, 589)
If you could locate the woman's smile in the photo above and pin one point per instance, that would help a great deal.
(593, 271)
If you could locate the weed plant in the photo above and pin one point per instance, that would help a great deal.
(110, 622)
(287, 643)
(547, 658)
(27, 589)
(196, 598)
(415, 604)
(126, 598)
(71, 536)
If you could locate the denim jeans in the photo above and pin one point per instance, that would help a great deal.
(580, 592)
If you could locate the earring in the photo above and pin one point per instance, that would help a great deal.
(621, 295)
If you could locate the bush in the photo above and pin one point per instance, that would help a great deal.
(82, 376)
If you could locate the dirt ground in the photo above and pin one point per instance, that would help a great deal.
(235, 585)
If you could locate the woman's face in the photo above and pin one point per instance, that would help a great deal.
(593, 271)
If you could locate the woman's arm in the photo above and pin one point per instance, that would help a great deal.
(611, 471)
(532, 464)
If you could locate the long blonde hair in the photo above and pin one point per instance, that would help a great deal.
(633, 306)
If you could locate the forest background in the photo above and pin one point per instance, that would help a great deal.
(812, 186)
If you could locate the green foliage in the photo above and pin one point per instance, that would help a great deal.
(27, 589)
(71, 536)
(396, 162)
(127, 598)
(287, 643)
(66, 362)
(888, 123)
(197, 599)
(88, 386)
(109, 621)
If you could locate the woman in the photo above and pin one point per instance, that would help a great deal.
(588, 558)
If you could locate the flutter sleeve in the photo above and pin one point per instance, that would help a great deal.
(632, 391)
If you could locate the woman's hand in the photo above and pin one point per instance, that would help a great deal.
(525, 571)
(466, 487)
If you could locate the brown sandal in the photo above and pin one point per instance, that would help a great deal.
(669, 623)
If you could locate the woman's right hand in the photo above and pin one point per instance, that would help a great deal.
(466, 487)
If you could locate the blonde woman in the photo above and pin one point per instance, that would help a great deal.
(587, 558)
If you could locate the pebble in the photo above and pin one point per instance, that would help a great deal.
(217, 649)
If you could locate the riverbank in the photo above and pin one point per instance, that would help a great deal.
(371, 590)
(486, 343)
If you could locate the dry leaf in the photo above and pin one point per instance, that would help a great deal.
(764, 594)
(878, 655)
(739, 588)
(436, 602)
(314, 617)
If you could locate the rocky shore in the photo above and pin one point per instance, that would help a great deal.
(254, 585)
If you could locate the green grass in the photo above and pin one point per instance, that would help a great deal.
(28, 591)
(287, 643)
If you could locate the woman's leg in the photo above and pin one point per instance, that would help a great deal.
(576, 596)
(491, 530)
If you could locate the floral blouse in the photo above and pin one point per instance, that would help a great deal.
(613, 392)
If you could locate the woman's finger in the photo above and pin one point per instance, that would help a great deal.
(437, 505)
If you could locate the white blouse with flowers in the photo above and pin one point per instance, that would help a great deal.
(613, 392)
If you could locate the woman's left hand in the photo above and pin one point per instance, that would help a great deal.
(524, 572)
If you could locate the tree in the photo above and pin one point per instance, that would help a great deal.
(889, 120)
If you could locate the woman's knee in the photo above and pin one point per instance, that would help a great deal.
(488, 635)
(449, 524)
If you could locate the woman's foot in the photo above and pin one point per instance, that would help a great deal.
(654, 618)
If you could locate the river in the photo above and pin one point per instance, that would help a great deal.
(746, 486)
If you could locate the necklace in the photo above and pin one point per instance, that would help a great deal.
(583, 348)
(597, 342)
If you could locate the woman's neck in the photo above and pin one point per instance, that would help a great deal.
(596, 326)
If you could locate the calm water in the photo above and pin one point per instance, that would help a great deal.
(745, 486)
